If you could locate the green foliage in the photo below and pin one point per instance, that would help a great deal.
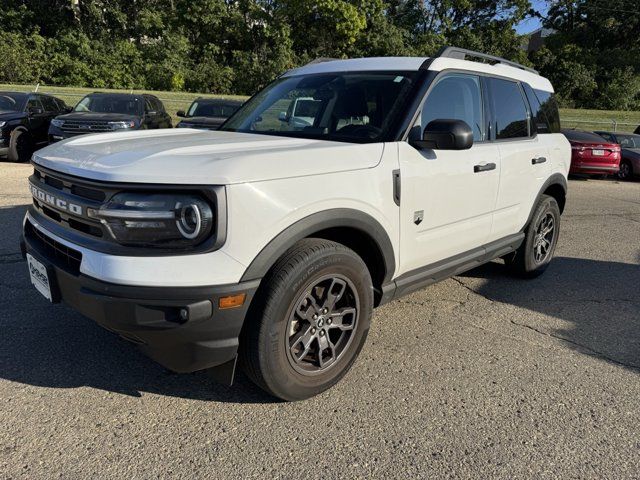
(594, 58)
(222, 46)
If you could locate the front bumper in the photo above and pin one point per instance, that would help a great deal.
(149, 316)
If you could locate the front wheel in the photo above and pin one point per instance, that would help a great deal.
(20, 147)
(307, 327)
(541, 237)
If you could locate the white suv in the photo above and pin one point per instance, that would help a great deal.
(271, 243)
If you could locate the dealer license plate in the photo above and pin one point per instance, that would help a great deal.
(39, 276)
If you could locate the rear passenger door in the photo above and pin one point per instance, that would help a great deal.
(524, 163)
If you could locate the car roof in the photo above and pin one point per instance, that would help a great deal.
(114, 94)
(411, 64)
(219, 101)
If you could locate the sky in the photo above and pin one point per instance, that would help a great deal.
(531, 24)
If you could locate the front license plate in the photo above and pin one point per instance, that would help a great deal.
(598, 153)
(39, 277)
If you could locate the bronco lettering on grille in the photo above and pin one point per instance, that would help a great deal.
(54, 201)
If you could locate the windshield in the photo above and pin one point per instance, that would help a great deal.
(628, 141)
(350, 107)
(110, 104)
(12, 101)
(201, 108)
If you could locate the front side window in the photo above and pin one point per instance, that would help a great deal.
(351, 107)
(109, 104)
(34, 103)
(456, 97)
(511, 115)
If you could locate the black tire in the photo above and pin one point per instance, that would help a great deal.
(626, 170)
(285, 315)
(20, 147)
(529, 260)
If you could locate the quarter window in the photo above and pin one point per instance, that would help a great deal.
(511, 115)
(456, 97)
(549, 107)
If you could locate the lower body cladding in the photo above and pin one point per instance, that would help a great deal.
(182, 328)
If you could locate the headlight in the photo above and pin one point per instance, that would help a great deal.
(57, 123)
(2, 124)
(159, 220)
(122, 125)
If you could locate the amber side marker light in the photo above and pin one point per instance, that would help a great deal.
(232, 301)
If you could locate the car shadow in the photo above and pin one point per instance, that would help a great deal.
(53, 346)
(593, 306)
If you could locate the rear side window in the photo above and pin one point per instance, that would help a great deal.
(549, 107)
(456, 97)
(49, 104)
(511, 117)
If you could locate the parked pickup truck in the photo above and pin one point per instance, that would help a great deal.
(267, 244)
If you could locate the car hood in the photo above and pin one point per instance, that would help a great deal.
(89, 116)
(10, 115)
(189, 156)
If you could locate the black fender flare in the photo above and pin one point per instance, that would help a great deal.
(306, 227)
(555, 179)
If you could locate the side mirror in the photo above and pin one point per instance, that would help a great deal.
(444, 134)
(181, 113)
(35, 111)
(282, 116)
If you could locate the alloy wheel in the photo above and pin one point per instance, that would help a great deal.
(322, 324)
(543, 240)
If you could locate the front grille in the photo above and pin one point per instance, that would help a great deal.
(85, 195)
(86, 126)
(68, 257)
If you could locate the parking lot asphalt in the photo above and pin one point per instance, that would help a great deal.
(483, 375)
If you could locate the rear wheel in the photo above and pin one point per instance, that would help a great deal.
(541, 237)
(626, 170)
(20, 147)
(311, 321)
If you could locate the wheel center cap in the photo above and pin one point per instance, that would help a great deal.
(320, 322)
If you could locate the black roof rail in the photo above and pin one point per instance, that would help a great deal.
(463, 53)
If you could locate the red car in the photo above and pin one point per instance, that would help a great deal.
(592, 154)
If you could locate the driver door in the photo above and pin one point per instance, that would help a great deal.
(448, 196)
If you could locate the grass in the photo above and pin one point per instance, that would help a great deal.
(174, 101)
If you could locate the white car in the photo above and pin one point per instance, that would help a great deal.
(271, 248)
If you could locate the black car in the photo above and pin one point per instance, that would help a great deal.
(208, 113)
(630, 153)
(109, 112)
(24, 121)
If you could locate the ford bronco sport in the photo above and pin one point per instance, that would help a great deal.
(267, 244)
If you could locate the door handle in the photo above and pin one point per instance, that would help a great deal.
(484, 168)
(535, 161)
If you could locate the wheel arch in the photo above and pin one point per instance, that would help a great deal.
(355, 229)
(556, 187)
